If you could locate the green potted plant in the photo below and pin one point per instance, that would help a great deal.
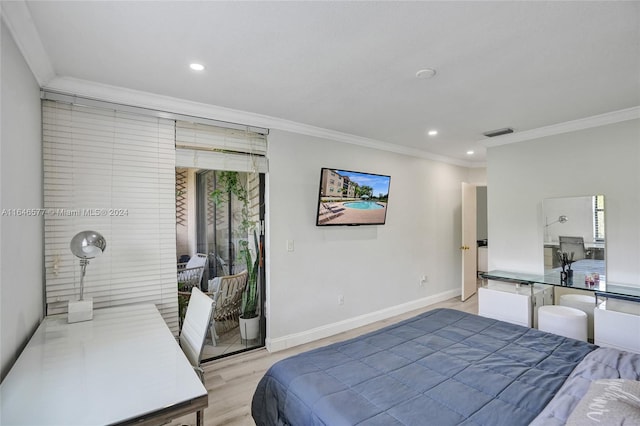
(230, 182)
(249, 319)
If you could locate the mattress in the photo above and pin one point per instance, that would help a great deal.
(442, 367)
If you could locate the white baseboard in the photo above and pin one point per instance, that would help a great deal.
(291, 340)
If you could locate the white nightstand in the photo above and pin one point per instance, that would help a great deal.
(616, 324)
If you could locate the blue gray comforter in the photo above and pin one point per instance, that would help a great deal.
(443, 367)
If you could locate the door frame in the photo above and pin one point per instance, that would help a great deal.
(469, 244)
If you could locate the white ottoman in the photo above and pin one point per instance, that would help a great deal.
(583, 302)
(563, 320)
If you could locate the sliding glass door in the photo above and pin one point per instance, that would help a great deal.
(228, 215)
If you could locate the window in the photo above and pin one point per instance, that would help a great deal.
(112, 172)
(598, 218)
(112, 168)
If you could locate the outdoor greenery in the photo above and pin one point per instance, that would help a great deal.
(231, 183)
(228, 183)
(364, 190)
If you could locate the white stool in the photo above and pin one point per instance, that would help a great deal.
(563, 320)
(583, 302)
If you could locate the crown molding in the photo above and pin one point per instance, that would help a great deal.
(130, 97)
(632, 113)
(17, 17)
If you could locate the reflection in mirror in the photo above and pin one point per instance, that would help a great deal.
(574, 234)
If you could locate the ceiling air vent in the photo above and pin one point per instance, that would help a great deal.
(499, 132)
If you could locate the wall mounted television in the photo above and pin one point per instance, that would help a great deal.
(351, 198)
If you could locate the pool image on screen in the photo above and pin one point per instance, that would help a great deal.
(352, 198)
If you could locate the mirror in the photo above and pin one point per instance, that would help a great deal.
(574, 227)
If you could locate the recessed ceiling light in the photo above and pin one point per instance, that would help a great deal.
(426, 73)
(196, 67)
(432, 132)
(470, 152)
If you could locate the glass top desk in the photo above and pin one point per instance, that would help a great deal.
(601, 289)
(123, 367)
(616, 323)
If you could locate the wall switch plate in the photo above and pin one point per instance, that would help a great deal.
(290, 246)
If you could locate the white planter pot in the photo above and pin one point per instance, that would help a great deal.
(249, 328)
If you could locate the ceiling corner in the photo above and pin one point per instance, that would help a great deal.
(17, 17)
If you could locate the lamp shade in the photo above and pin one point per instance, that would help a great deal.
(88, 244)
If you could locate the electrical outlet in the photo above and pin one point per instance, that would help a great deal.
(341, 300)
(423, 280)
(290, 246)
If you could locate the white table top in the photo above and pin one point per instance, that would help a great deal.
(123, 364)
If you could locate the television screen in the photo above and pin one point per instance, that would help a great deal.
(352, 198)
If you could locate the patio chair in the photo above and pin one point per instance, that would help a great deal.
(227, 301)
(190, 273)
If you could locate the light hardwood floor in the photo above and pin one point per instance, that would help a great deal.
(232, 381)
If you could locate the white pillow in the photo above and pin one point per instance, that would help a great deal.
(608, 402)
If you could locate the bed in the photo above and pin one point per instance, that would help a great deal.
(442, 367)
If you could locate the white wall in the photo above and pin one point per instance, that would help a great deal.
(375, 268)
(478, 175)
(21, 252)
(603, 160)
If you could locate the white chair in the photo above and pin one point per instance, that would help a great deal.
(194, 331)
(195, 326)
(585, 303)
(190, 273)
(563, 320)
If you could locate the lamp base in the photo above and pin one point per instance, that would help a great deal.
(80, 310)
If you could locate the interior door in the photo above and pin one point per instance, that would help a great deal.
(469, 244)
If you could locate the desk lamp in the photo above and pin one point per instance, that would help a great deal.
(85, 245)
(561, 219)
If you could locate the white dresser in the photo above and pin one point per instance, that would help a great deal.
(617, 325)
(512, 302)
(514, 297)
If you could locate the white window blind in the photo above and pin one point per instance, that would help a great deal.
(111, 172)
(218, 148)
(598, 218)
